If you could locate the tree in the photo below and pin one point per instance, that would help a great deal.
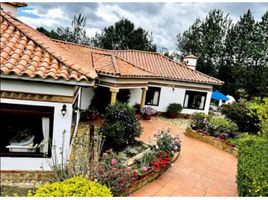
(235, 53)
(205, 39)
(246, 57)
(123, 35)
(76, 33)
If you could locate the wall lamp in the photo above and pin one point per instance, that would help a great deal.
(63, 110)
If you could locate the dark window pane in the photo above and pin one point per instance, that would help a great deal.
(153, 96)
(195, 100)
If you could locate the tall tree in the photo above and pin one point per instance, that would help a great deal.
(75, 33)
(205, 39)
(124, 35)
(246, 57)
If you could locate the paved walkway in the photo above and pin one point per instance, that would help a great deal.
(201, 169)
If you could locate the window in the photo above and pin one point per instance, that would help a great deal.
(195, 100)
(153, 96)
(26, 130)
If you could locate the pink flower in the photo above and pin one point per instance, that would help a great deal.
(114, 161)
(104, 155)
(110, 150)
(145, 168)
(129, 168)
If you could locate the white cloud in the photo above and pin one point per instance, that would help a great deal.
(164, 20)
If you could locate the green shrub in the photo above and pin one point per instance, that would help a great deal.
(245, 118)
(219, 125)
(73, 187)
(120, 127)
(199, 121)
(252, 177)
(262, 112)
(174, 108)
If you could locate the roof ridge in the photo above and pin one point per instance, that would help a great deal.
(43, 46)
(115, 65)
(135, 50)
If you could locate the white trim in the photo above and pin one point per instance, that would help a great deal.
(71, 82)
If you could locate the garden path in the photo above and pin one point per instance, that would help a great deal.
(200, 170)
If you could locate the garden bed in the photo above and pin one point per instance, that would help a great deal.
(222, 144)
(149, 177)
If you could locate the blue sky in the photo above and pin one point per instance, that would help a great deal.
(164, 20)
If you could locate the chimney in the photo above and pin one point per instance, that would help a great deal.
(11, 7)
(190, 61)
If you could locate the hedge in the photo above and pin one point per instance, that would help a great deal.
(252, 177)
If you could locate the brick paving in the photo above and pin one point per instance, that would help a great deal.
(201, 169)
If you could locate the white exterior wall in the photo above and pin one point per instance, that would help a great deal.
(167, 96)
(87, 94)
(60, 123)
(37, 87)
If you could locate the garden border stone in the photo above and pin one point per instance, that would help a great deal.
(149, 177)
(211, 140)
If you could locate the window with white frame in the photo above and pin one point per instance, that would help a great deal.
(26, 130)
(153, 96)
(195, 100)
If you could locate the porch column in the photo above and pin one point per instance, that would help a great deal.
(114, 92)
(143, 96)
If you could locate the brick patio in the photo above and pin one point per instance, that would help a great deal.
(201, 169)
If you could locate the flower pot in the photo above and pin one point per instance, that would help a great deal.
(147, 117)
(172, 115)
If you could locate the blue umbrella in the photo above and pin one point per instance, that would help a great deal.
(216, 95)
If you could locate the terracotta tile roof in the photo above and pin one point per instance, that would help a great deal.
(104, 61)
(26, 52)
(164, 67)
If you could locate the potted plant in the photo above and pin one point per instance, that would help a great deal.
(173, 110)
(147, 112)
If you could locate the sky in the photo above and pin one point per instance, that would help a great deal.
(163, 20)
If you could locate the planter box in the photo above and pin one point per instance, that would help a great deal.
(211, 140)
(172, 115)
(16, 148)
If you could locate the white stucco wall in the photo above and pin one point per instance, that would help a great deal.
(60, 123)
(167, 96)
(87, 94)
(37, 87)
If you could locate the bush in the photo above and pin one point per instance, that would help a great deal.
(114, 174)
(218, 126)
(199, 121)
(262, 112)
(174, 108)
(252, 177)
(120, 127)
(245, 118)
(166, 143)
(73, 187)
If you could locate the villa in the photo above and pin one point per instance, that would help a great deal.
(45, 83)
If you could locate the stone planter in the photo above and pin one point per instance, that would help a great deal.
(225, 146)
(172, 115)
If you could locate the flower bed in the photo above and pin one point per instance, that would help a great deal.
(217, 142)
